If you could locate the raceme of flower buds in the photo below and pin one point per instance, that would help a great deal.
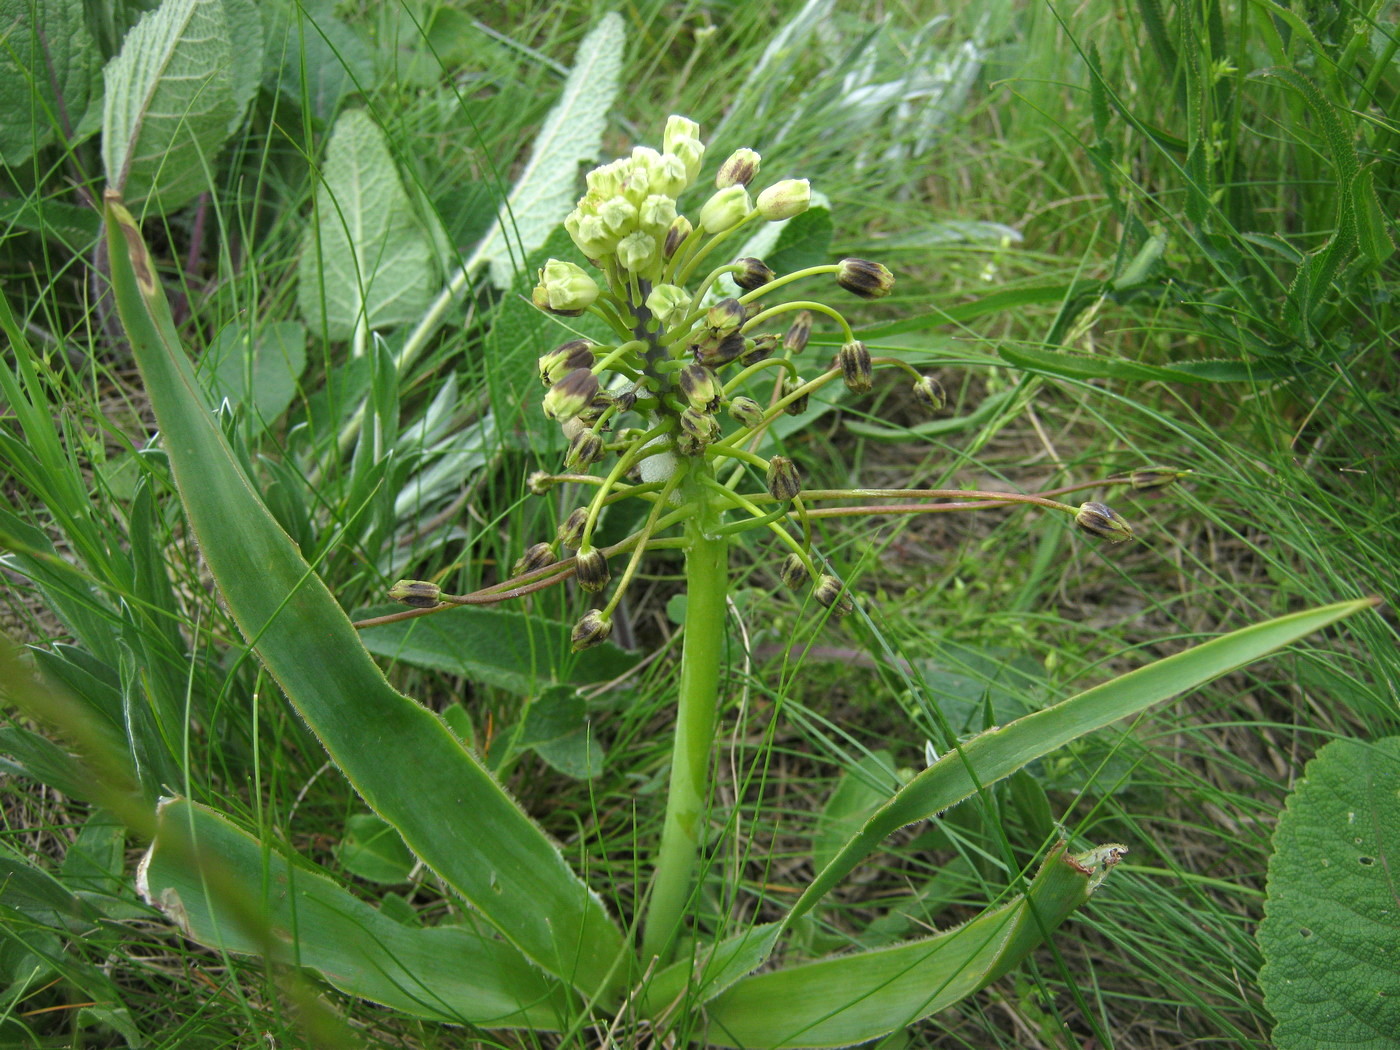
(591, 569)
(416, 593)
(784, 483)
(739, 170)
(783, 200)
(537, 557)
(855, 367)
(592, 630)
(867, 279)
(1103, 521)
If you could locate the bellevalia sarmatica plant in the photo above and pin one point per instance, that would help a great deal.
(672, 413)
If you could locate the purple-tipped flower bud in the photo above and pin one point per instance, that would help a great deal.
(562, 360)
(795, 341)
(783, 200)
(537, 557)
(794, 571)
(746, 411)
(592, 630)
(1149, 478)
(564, 288)
(929, 393)
(867, 279)
(700, 427)
(757, 349)
(571, 528)
(417, 593)
(668, 303)
(591, 569)
(855, 367)
(571, 395)
(700, 387)
(754, 274)
(585, 449)
(540, 481)
(783, 481)
(831, 594)
(738, 170)
(798, 405)
(725, 209)
(724, 317)
(1103, 521)
(727, 349)
(676, 235)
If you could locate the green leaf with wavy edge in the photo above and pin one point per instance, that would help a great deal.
(1331, 971)
(47, 67)
(448, 973)
(854, 998)
(999, 752)
(366, 258)
(405, 763)
(572, 134)
(175, 93)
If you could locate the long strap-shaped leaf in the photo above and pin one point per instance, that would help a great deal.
(853, 998)
(1000, 752)
(400, 757)
(449, 973)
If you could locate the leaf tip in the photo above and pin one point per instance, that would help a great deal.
(125, 223)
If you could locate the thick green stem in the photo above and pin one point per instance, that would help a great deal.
(707, 585)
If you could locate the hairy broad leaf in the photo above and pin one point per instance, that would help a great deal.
(307, 44)
(270, 896)
(500, 647)
(366, 258)
(853, 998)
(1330, 935)
(406, 764)
(175, 93)
(572, 134)
(47, 66)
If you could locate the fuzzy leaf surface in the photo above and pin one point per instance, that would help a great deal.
(1331, 929)
(47, 67)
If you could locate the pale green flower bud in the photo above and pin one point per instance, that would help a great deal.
(668, 303)
(638, 252)
(725, 209)
(656, 215)
(416, 593)
(783, 200)
(592, 630)
(796, 339)
(670, 177)
(855, 367)
(676, 235)
(739, 169)
(619, 215)
(677, 129)
(784, 483)
(591, 569)
(747, 411)
(1103, 521)
(571, 528)
(724, 317)
(537, 557)
(562, 360)
(645, 161)
(830, 593)
(867, 279)
(690, 152)
(700, 387)
(571, 395)
(929, 393)
(755, 274)
(564, 288)
(590, 234)
(606, 180)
